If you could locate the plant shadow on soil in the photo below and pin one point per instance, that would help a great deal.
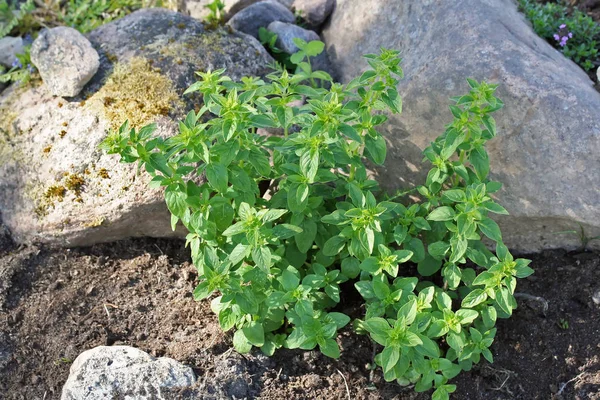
(57, 303)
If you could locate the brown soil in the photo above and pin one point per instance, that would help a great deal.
(54, 304)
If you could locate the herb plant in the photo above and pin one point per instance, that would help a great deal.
(215, 15)
(571, 31)
(278, 222)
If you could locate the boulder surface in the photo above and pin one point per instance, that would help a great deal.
(546, 151)
(111, 372)
(56, 186)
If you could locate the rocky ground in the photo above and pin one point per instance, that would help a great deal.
(56, 304)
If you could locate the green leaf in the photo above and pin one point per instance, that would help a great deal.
(444, 213)
(254, 333)
(262, 258)
(273, 215)
(176, 202)
(490, 229)
(438, 250)
(474, 298)
(378, 328)
(240, 343)
(489, 316)
(376, 149)
(455, 195)
(339, 319)
(313, 49)
(217, 177)
(480, 161)
(429, 266)
(350, 267)
(389, 357)
(334, 246)
(284, 231)
(466, 316)
(227, 319)
(306, 238)
(330, 348)
(238, 253)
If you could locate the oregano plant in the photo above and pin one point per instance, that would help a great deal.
(278, 221)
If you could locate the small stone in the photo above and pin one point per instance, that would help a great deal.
(596, 297)
(65, 59)
(9, 48)
(123, 372)
(258, 15)
(286, 33)
(314, 12)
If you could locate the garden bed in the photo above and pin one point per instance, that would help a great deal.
(59, 303)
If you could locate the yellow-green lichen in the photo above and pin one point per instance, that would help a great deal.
(137, 92)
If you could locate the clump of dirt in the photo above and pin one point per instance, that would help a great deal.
(55, 304)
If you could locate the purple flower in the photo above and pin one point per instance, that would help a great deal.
(28, 39)
(30, 68)
(17, 63)
(570, 34)
(563, 26)
(556, 37)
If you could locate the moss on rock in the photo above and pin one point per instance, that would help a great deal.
(137, 92)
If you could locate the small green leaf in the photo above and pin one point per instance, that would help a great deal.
(490, 229)
(444, 213)
(474, 298)
(254, 333)
(330, 348)
(217, 177)
(334, 246)
(240, 343)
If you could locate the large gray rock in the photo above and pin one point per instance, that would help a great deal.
(123, 372)
(56, 186)
(258, 15)
(9, 48)
(314, 12)
(547, 149)
(65, 60)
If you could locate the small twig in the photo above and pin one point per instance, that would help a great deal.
(534, 298)
(503, 383)
(161, 252)
(106, 309)
(345, 383)
(279, 373)
(563, 386)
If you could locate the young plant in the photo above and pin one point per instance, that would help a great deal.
(215, 15)
(277, 222)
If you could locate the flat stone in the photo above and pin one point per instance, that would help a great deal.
(258, 15)
(108, 372)
(65, 60)
(546, 151)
